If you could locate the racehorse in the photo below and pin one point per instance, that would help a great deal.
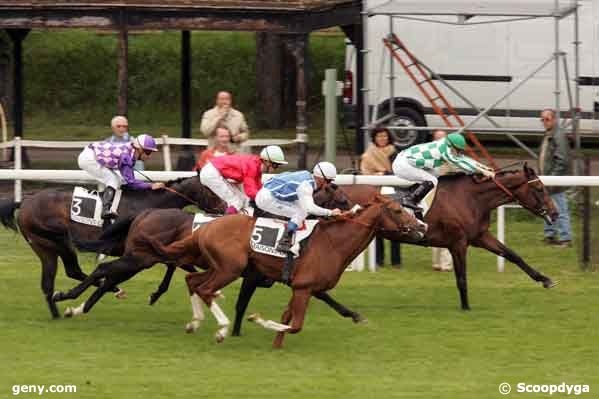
(331, 247)
(167, 226)
(44, 221)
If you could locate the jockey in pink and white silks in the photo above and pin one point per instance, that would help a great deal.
(290, 194)
(103, 159)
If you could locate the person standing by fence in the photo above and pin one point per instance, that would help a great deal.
(554, 160)
(120, 134)
(223, 114)
(377, 160)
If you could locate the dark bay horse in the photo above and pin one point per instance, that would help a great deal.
(332, 246)
(166, 226)
(44, 221)
(460, 216)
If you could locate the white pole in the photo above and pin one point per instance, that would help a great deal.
(4, 133)
(166, 154)
(18, 185)
(358, 263)
(501, 236)
(372, 256)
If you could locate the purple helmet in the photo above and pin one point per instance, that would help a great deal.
(145, 142)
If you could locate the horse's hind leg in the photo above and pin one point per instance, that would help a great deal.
(164, 284)
(297, 307)
(248, 287)
(49, 260)
(93, 279)
(490, 243)
(339, 308)
(73, 269)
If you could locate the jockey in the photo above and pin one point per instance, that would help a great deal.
(421, 163)
(290, 194)
(103, 159)
(241, 168)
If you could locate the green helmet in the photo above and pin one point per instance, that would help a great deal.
(457, 140)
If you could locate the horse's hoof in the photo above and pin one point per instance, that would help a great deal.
(68, 312)
(219, 338)
(120, 294)
(254, 317)
(191, 327)
(359, 319)
(219, 295)
(152, 299)
(57, 296)
(550, 283)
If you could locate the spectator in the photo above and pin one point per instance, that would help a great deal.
(377, 160)
(222, 146)
(442, 261)
(120, 134)
(223, 114)
(554, 160)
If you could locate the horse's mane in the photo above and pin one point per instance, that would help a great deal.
(177, 181)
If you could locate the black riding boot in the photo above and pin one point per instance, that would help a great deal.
(285, 242)
(412, 200)
(107, 199)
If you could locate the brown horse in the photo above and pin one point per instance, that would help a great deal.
(45, 222)
(460, 216)
(332, 246)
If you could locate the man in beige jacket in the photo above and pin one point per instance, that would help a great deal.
(223, 114)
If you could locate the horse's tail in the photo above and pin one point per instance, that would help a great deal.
(114, 235)
(7, 214)
(174, 250)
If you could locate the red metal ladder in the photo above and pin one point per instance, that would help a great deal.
(432, 93)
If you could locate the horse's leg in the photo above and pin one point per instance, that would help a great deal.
(248, 287)
(163, 287)
(458, 253)
(207, 289)
(490, 243)
(339, 308)
(73, 269)
(297, 307)
(285, 319)
(93, 279)
(49, 260)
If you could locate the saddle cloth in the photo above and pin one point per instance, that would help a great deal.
(86, 206)
(398, 193)
(267, 233)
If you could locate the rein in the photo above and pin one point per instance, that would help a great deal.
(185, 197)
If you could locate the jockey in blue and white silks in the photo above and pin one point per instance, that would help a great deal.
(290, 194)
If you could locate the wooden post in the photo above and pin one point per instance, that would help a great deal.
(123, 67)
(166, 154)
(298, 48)
(17, 36)
(269, 80)
(185, 84)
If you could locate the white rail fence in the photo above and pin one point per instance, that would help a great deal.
(81, 177)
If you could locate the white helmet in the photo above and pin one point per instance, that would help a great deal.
(326, 170)
(274, 154)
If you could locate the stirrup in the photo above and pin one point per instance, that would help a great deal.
(108, 215)
(284, 244)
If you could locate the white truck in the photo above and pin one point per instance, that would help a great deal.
(483, 62)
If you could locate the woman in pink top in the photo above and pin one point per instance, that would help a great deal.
(242, 169)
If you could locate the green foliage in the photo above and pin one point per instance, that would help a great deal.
(416, 344)
(71, 76)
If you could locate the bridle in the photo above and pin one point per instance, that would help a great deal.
(541, 211)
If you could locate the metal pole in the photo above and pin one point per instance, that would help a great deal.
(330, 114)
(4, 133)
(501, 236)
(18, 166)
(372, 256)
(509, 93)
(366, 88)
(575, 117)
(391, 74)
(556, 56)
(586, 218)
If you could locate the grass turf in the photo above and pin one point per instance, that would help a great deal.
(416, 344)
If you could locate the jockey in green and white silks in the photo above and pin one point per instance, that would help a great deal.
(290, 194)
(421, 163)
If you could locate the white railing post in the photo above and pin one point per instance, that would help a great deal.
(18, 166)
(4, 133)
(357, 264)
(372, 256)
(166, 154)
(501, 235)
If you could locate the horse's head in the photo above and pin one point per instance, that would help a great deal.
(399, 223)
(201, 195)
(331, 196)
(532, 195)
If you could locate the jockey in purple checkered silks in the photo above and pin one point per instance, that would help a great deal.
(112, 164)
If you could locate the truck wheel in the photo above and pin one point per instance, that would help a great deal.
(405, 116)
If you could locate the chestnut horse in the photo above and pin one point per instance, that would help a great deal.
(44, 221)
(225, 246)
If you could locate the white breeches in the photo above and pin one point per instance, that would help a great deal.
(228, 192)
(267, 202)
(108, 177)
(403, 169)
